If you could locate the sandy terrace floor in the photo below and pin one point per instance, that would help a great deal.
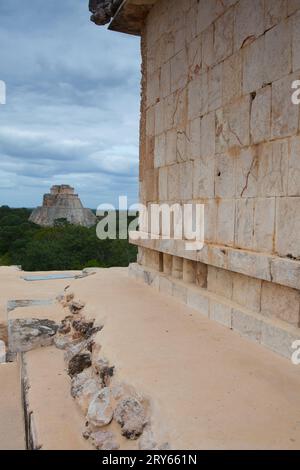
(209, 388)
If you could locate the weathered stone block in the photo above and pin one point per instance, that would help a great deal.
(197, 300)
(171, 146)
(253, 65)
(215, 88)
(220, 281)
(167, 261)
(225, 222)
(294, 167)
(160, 151)
(153, 91)
(273, 169)
(288, 227)
(247, 291)
(280, 302)
(232, 78)
(279, 340)
(249, 21)
(179, 70)
(244, 225)
(185, 181)
(194, 138)
(275, 11)
(293, 5)
(177, 267)
(286, 272)
(165, 80)
(296, 42)
(260, 126)
(250, 326)
(264, 225)
(221, 313)
(163, 184)
(159, 118)
(208, 51)
(208, 125)
(223, 43)
(173, 183)
(247, 172)
(189, 271)
(285, 115)
(201, 275)
(179, 291)
(278, 52)
(233, 125)
(165, 285)
(225, 175)
(203, 178)
(194, 97)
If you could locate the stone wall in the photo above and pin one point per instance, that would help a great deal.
(219, 128)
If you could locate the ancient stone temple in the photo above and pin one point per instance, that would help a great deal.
(219, 127)
(62, 204)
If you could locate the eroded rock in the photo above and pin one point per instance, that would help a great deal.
(104, 440)
(147, 441)
(84, 389)
(100, 412)
(76, 307)
(103, 370)
(31, 333)
(2, 352)
(131, 415)
(78, 363)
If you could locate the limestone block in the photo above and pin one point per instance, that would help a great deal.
(280, 302)
(278, 55)
(179, 40)
(203, 178)
(173, 183)
(273, 169)
(182, 146)
(163, 184)
(278, 339)
(165, 80)
(207, 13)
(220, 281)
(191, 23)
(223, 43)
(160, 151)
(152, 259)
(194, 57)
(197, 300)
(194, 138)
(153, 91)
(179, 291)
(194, 89)
(151, 279)
(285, 114)
(221, 313)
(247, 291)
(159, 118)
(250, 264)
(288, 227)
(171, 145)
(225, 222)
(208, 51)
(167, 264)
(250, 326)
(264, 225)
(177, 267)
(294, 167)
(249, 21)
(189, 271)
(165, 286)
(286, 272)
(232, 78)
(244, 225)
(233, 125)
(201, 275)
(179, 69)
(150, 122)
(225, 175)
(260, 126)
(151, 185)
(208, 125)
(186, 181)
(204, 93)
(293, 5)
(169, 111)
(180, 110)
(275, 11)
(247, 172)
(296, 42)
(215, 87)
(210, 220)
(253, 65)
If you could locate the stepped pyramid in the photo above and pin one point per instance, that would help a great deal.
(62, 203)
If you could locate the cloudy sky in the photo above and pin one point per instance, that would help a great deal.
(72, 104)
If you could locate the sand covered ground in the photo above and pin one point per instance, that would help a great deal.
(207, 387)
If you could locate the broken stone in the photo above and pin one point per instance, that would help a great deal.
(78, 363)
(76, 307)
(70, 297)
(86, 329)
(62, 341)
(147, 441)
(130, 414)
(76, 347)
(27, 334)
(104, 440)
(100, 412)
(105, 372)
(84, 388)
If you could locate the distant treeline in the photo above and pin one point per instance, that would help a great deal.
(62, 247)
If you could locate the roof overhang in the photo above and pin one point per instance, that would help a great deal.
(131, 15)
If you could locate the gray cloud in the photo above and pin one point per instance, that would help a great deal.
(72, 104)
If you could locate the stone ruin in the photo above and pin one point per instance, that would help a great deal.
(62, 203)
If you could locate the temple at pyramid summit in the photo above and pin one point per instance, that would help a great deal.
(62, 203)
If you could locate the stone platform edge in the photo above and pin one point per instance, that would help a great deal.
(273, 334)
